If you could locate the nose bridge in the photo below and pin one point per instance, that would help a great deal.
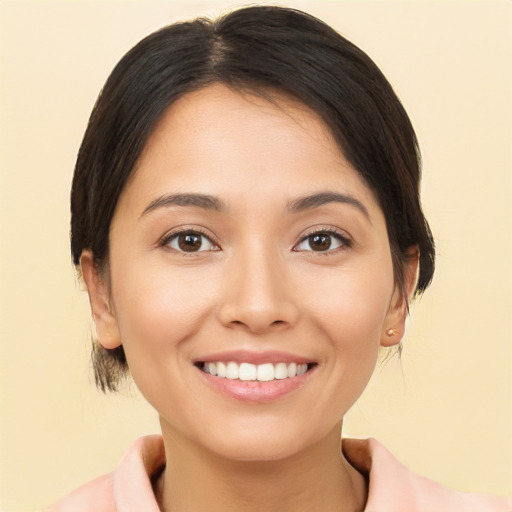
(257, 295)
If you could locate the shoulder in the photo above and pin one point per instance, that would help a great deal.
(129, 487)
(394, 488)
(98, 493)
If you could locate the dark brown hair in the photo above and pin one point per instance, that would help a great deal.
(258, 48)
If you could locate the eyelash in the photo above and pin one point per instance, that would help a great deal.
(168, 238)
(343, 240)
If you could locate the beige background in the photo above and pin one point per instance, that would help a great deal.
(446, 410)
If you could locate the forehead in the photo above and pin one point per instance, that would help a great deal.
(232, 143)
(219, 116)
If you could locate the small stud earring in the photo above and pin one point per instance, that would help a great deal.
(391, 332)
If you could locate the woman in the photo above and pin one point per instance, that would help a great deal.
(246, 218)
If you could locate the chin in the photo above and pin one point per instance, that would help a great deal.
(266, 442)
(255, 451)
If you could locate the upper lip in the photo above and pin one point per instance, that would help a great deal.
(246, 356)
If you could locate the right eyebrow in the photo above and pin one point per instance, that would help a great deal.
(203, 201)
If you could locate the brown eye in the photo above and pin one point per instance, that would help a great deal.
(322, 241)
(190, 241)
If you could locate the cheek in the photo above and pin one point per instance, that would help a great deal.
(354, 302)
(350, 312)
(157, 309)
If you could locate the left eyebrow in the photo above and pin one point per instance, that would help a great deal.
(315, 200)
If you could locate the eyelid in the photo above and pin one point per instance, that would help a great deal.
(339, 234)
(334, 232)
(173, 233)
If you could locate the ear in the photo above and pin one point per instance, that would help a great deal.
(99, 295)
(393, 328)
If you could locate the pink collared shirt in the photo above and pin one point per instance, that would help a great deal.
(392, 487)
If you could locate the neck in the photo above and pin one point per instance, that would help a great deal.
(320, 479)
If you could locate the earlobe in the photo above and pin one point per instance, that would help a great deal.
(99, 297)
(393, 329)
(394, 325)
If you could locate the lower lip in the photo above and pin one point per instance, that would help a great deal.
(256, 391)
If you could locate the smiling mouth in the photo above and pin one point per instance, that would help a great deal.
(254, 372)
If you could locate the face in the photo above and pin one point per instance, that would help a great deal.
(250, 276)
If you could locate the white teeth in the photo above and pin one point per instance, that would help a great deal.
(302, 369)
(281, 371)
(292, 369)
(247, 371)
(251, 372)
(212, 368)
(221, 369)
(232, 370)
(265, 372)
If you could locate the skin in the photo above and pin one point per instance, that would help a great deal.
(258, 284)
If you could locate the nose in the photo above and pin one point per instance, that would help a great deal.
(258, 296)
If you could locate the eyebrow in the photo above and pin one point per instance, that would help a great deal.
(315, 200)
(208, 202)
(203, 201)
